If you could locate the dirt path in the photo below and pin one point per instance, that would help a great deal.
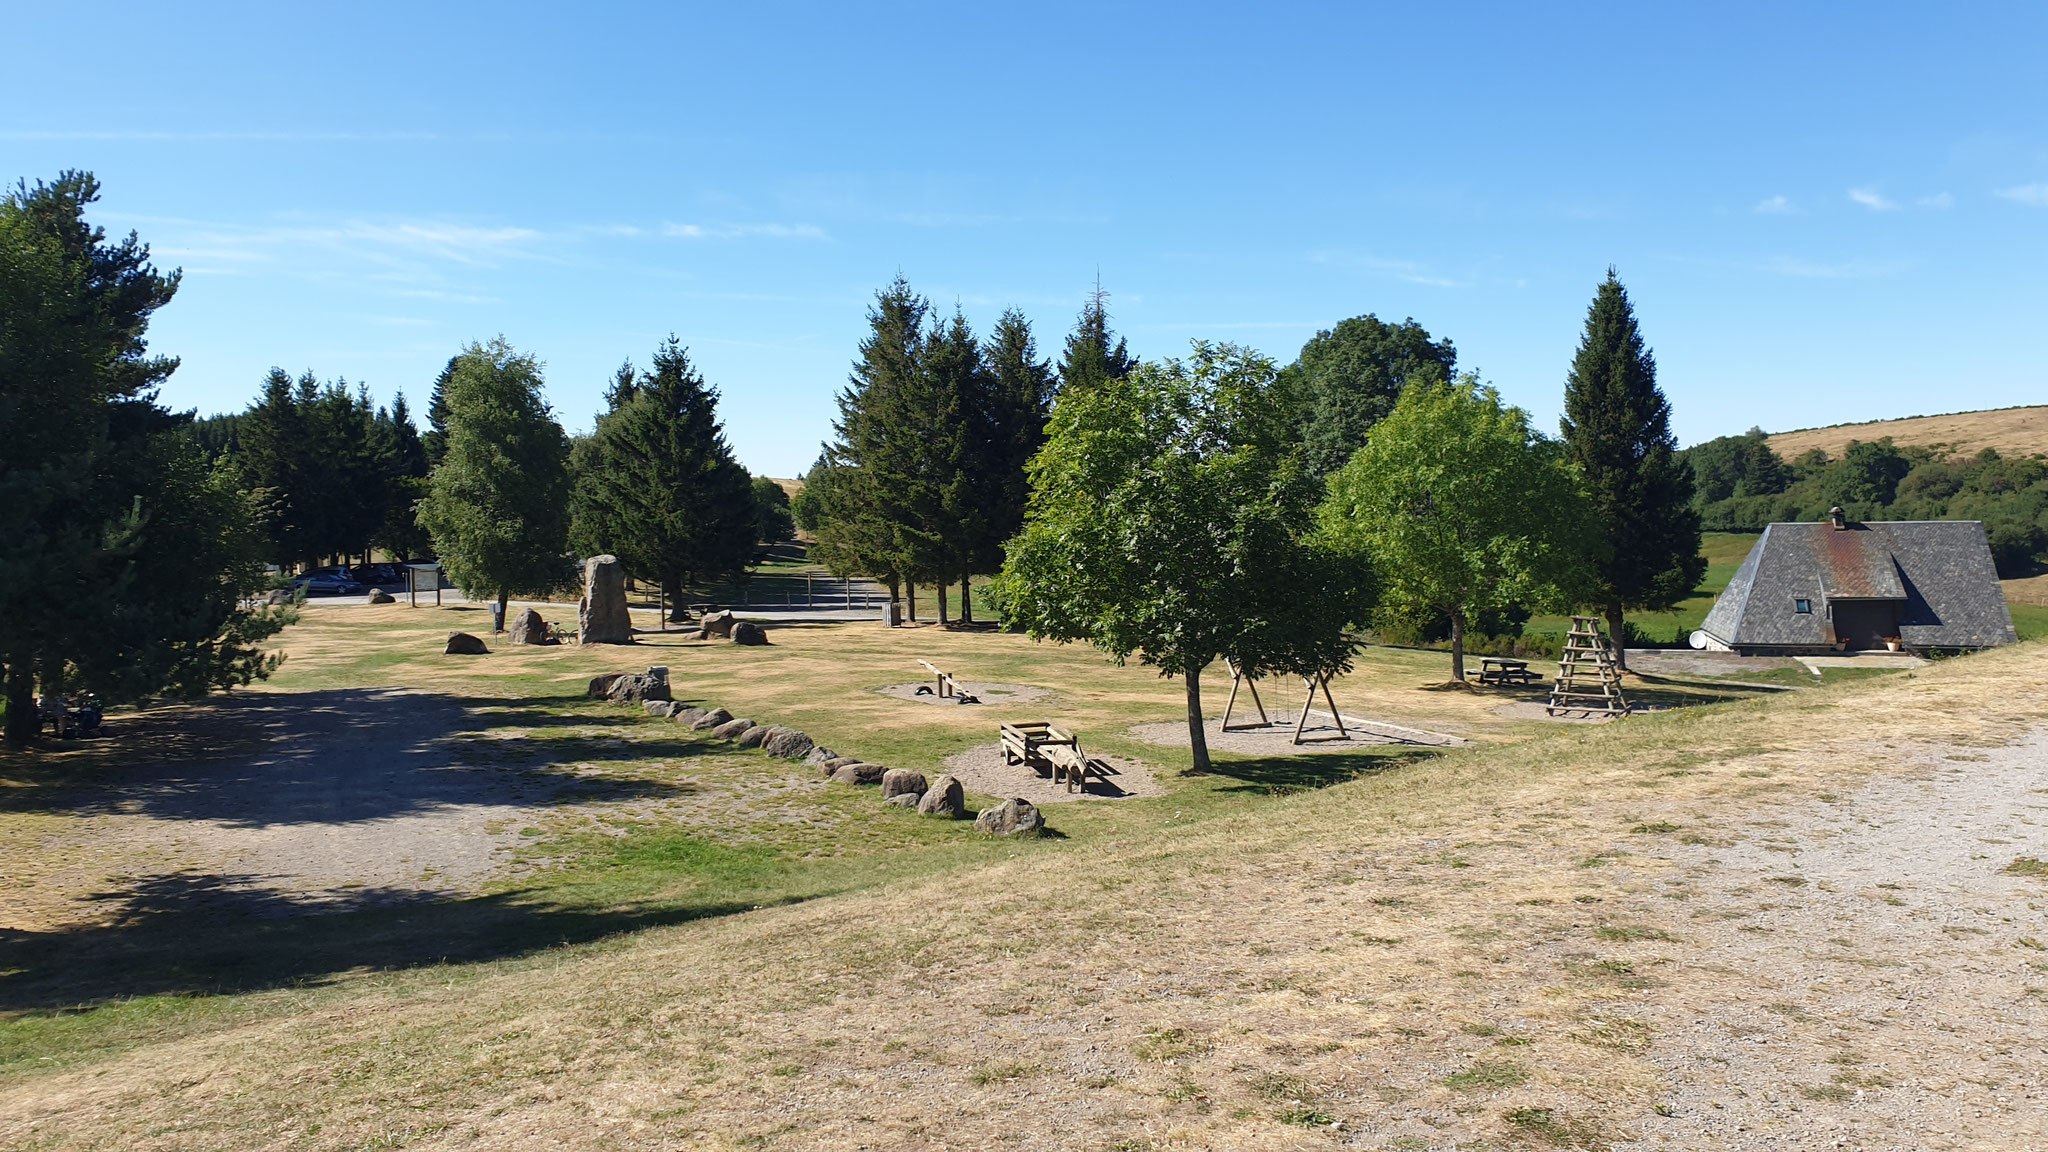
(322, 798)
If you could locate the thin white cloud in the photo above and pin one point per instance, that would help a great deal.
(1872, 199)
(1775, 206)
(1835, 270)
(1406, 271)
(744, 231)
(2031, 194)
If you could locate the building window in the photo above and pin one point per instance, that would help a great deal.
(1804, 607)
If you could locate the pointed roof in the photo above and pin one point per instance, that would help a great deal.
(1940, 570)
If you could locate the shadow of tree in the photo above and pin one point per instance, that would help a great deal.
(192, 934)
(1280, 774)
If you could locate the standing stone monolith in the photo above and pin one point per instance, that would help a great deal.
(602, 617)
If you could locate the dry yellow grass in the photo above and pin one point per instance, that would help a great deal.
(1523, 945)
(2013, 431)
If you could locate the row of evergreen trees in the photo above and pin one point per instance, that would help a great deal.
(1741, 485)
(925, 480)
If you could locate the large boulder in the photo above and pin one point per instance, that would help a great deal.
(902, 799)
(637, 687)
(897, 781)
(787, 743)
(529, 628)
(602, 617)
(754, 737)
(377, 596)
(463, 644)
(733, 729)
(859, 773)
(660, 708)
(818, 755)
(1018, 817)
(711, 719)
(945, 797)
(749, 633)
(601, 686)
(715, 626)
(684, 714)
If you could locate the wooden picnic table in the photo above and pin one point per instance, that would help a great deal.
(1503, 671)
(1048, 748)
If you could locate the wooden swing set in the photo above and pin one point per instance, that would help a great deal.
(1314, 683)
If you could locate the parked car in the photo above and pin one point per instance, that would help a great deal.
(380, 575)
(326, 583)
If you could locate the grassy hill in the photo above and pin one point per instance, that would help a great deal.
(2013, 431)
(1678, 929)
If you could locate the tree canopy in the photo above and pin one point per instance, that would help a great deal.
(1348, 378)
(1094, 354)
(124, 560)
(1461, 509)
(497, 505)
(1171, 521)
(1617, 436)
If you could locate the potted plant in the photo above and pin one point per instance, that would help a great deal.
(1892, 643)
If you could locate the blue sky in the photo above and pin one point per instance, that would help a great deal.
(1834, 214)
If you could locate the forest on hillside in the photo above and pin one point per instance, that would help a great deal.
(1742, 485)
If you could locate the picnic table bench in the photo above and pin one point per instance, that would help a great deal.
(1048, 748)
(1503, 671)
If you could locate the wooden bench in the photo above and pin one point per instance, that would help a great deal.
(1502, 671)
(1048, 748)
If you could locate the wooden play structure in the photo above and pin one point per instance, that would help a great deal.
(1588, 677)
(1314, 683)
(945, 686)
(1048, 748)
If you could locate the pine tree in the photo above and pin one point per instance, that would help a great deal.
(662, 482)
(1617, 433)
(866, 508)
(948, 410)
(402, 473)
(124, 557)
(435, 439)
(497, 506)
(1094, 353)
(1020, 389)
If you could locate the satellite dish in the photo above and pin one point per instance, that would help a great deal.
(1699, 640)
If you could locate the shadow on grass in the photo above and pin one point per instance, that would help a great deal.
(1278, 775)
(188, 934)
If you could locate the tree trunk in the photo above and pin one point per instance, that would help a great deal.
(1616, 637)
(504, 598)
(22, 721)
(911, 589)
(674, 591)
(967, 597)
(1198, 732)
(895, 584)
(944, 588)
(1458, 646)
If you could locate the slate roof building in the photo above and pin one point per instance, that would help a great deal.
(1842, 586)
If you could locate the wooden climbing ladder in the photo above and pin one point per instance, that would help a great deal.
(1588, 679)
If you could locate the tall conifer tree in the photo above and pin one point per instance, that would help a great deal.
(872, 456)
(660, 478)
(1094, 353)
(1617, 432)
(1021, 388)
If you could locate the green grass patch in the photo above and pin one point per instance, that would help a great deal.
(1488, 1076)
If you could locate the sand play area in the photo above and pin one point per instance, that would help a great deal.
(1277, 738)
(983, 769)
(982, 692)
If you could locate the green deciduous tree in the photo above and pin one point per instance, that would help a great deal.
(657, 485)
(124, 560)
(1617, 435)
(1461, 509)
(1348, 378)
(773, 520)
(497, 505)
(1172, 521)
